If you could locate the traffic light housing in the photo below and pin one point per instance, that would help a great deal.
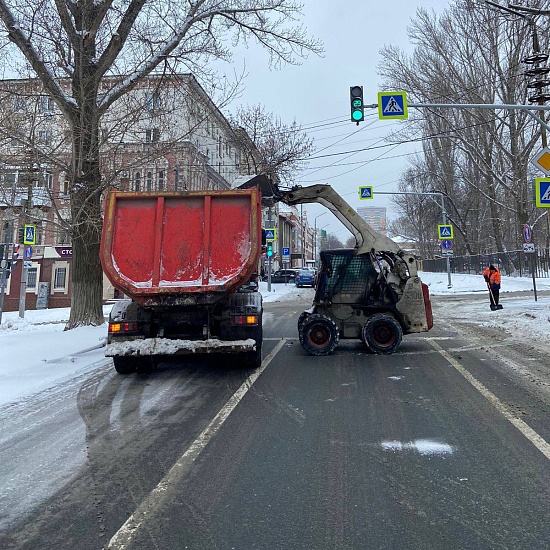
(269, 251)
(356, 103)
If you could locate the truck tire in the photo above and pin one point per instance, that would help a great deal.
(125, 365)
(319, 335)
(382, 333)
(253, 359)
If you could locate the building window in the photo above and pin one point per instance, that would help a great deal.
(32, 276)
(48, 180)
(60, 278)
(161, 180)
(20, 104)
(149, 181)
(137, 182)
(45, 137)
(46, 104)
(176, 178)
(152, 135)
(153, 100)
(65, 187)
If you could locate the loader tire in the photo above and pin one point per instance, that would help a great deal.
(319, 335)
(303, 316)
(382, 333)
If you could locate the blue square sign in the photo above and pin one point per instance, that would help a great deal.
(542, 192)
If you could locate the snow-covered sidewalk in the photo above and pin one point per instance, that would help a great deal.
(36, 352)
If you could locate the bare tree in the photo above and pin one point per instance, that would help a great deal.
(84, 41)
(270, 146)
(331, 242)
(478, 158)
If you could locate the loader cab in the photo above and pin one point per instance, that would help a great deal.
(349, 278)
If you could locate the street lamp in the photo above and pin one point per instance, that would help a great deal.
(315, 233)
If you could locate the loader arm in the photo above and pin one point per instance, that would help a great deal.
(367, 239)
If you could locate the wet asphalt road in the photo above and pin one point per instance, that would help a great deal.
(351, 451)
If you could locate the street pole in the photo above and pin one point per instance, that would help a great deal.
(444, 216)
(270, 224)
(4, 267)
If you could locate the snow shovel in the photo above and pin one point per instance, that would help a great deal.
(496, 306)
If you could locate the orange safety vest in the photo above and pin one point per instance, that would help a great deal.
(494, 276)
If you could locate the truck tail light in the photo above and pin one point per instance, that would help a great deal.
(244, 320)
(123, 327)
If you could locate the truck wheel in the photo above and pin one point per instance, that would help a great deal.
(253, 359)
(382, 333)
(124, 365)
(319, 335)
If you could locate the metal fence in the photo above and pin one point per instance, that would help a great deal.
(513, 263)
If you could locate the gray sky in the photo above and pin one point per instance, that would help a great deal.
(317, 92)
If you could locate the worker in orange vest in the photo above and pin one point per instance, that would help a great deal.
(492, 278)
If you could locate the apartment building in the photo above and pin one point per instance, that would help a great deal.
(167, 134)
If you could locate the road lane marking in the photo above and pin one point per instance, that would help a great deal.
(539, 442)
(125, 535)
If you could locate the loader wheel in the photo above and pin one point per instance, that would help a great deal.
(124, 365)
(382, 333)
(303, 316)
(318, 335)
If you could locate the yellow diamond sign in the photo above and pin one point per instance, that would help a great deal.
(542, 161)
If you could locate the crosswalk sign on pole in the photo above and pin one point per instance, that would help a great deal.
(445, 231)
(29, 236)
(392, 105)
(365, 192)
(270, 234)
(542, 192)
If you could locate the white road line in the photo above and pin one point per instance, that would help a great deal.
(540, 443)
(124, 536)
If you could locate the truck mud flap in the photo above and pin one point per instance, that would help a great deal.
(165, 346)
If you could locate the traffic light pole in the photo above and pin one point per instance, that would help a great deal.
(4, 268)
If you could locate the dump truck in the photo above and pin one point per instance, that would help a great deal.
(186, 263)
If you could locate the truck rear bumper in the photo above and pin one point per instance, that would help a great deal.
(165, 346)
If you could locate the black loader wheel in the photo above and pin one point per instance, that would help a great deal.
(303, 316)
(318, 335)
(382, 333)
(125, 365)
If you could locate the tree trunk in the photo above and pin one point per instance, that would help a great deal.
(86, 273)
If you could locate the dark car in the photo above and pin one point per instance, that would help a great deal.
(284, 276)
(305, 277)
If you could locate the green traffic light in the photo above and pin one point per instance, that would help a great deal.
(357, 115)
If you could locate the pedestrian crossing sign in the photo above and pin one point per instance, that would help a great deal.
(365, 192)
(392, 105)
(29, 237)
(445, 232)
(542, 192)
(270, 234)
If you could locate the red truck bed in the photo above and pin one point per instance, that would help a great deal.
(157, 244)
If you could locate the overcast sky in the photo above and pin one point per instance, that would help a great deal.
(317, 92)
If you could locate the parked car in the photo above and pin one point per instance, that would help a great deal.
(305, 277)
(284, 276)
